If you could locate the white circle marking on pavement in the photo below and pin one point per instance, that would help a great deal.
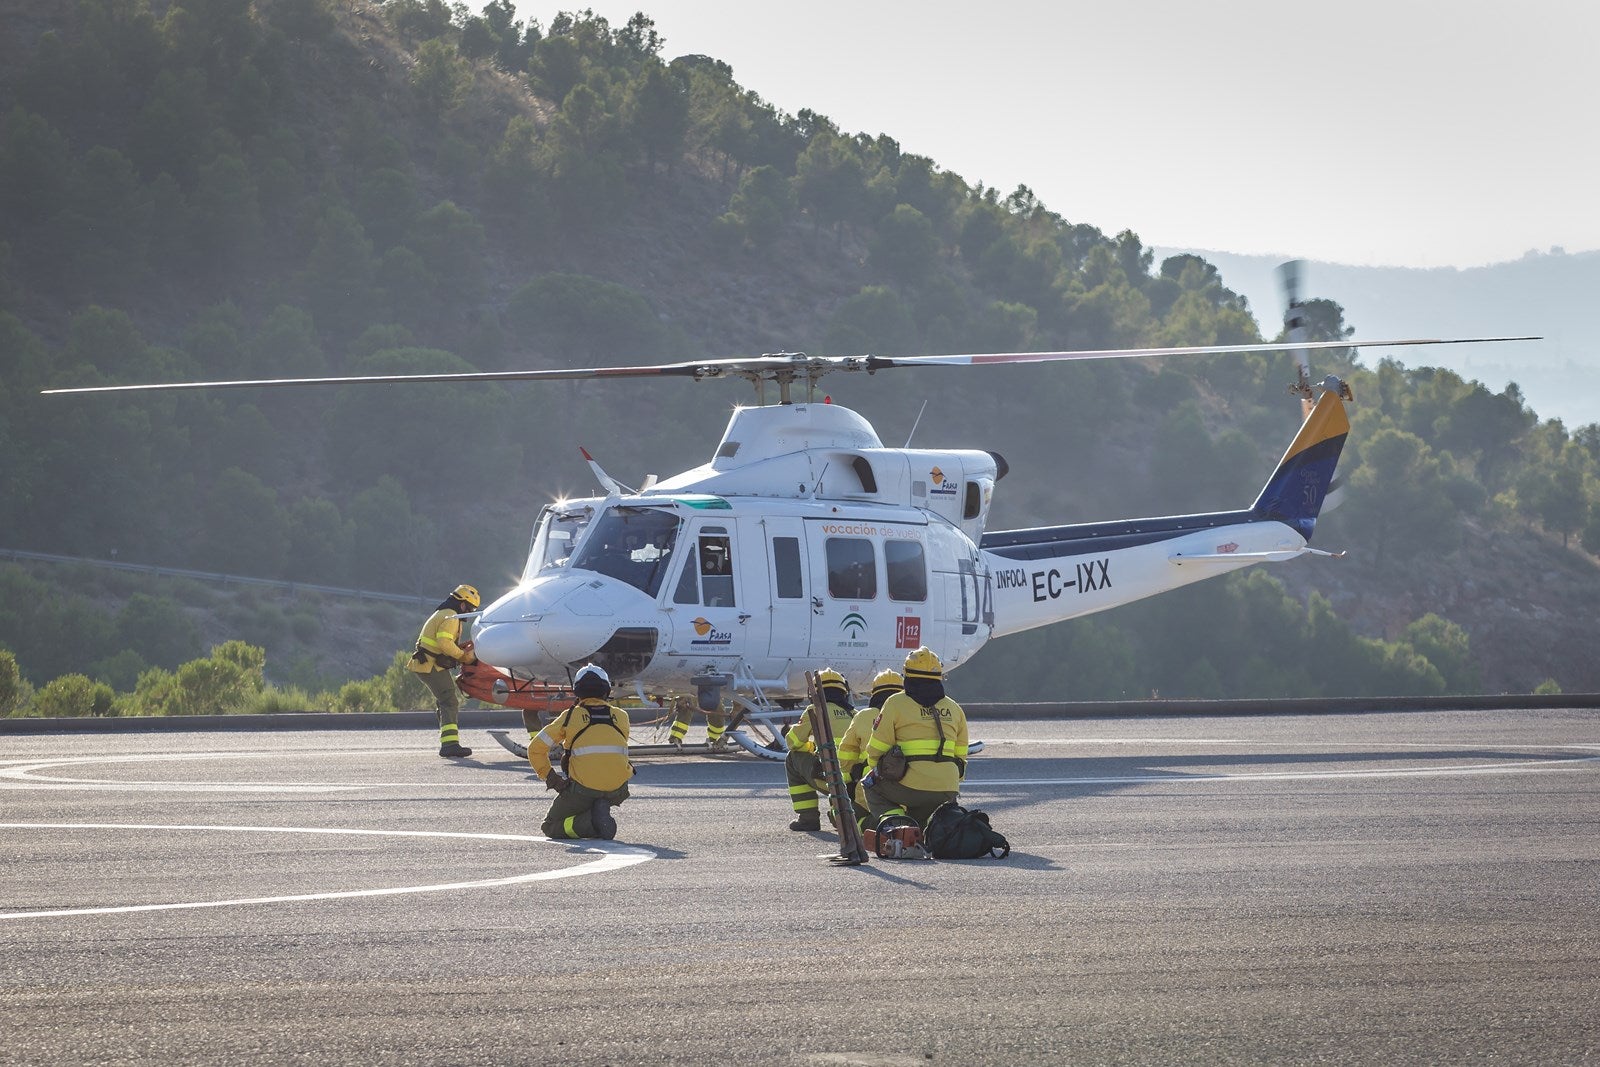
(611, 857)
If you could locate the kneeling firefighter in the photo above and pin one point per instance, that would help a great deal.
(917, 754)
(439, 652)
(853, 745)
(594, 767)
(803, 765)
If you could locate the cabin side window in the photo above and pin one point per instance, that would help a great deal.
(906, 567)
(852, 569)
(786, 567)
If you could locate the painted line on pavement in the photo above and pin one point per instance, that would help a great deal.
(612, 857)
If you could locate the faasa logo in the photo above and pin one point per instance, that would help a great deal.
(707, 635)
(1228, 548)
(942, 486)
(908, 632)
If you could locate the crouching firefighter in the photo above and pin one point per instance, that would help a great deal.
(803, 765)
(439, 652)
(852, 746)
(594, 765)
(917, 754)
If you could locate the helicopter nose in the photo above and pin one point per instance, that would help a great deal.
(544, 625)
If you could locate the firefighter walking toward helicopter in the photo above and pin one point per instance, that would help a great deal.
(439, 652)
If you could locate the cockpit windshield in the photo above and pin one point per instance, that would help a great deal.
(631, 543)
(554, 536)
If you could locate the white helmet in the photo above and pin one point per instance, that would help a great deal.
(591, 681)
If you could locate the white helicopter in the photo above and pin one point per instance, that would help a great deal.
(804, 542)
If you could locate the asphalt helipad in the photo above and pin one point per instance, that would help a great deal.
(1348, 888)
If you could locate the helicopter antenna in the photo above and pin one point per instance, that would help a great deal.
(815, 489)
(915, 422)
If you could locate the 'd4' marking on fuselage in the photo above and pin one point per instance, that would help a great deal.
(1090, 576)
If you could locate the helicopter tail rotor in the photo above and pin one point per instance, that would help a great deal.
(1294, 325)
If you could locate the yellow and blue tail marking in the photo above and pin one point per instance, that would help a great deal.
(1294, 493)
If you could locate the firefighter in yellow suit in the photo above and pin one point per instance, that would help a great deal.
(802, 764)
(930, 730)
(595, 769)
(852, 746)
(439, 651)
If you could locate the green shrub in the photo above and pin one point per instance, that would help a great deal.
(15, 692)
(73, 696)
(272, 701)
(305, 625)
(370, 695)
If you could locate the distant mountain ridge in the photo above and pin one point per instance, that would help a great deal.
(1545, 294)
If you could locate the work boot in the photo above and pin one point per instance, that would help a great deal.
(600, 815)
(806, 820)
(454, 749)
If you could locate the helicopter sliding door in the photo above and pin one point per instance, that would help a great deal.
(787, 586)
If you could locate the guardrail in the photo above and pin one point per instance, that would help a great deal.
(503, 718)
(208, 576)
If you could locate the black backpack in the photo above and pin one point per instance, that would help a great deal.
(954, 833)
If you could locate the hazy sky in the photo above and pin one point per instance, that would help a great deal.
(1389, 132)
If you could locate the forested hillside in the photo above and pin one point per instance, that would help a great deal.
(205, 189)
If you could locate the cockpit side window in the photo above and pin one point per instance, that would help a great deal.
(554, 536)
(632, 544)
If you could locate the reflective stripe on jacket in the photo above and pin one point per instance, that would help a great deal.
(440, 636)
(598, 758)
(853, 745)
(798, 737)
(933, 765)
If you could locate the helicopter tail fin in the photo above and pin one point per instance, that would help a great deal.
(1295, 493)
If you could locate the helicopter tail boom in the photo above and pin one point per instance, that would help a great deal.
(1048, 574)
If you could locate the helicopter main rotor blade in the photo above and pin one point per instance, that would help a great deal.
(785, 366)
(697, 369)
(877, 362)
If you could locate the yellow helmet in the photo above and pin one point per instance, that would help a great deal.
(887, 681)
(827, 676)
(923, 663)
(468, 595)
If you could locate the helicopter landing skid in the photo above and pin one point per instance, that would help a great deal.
(743, 740)
(772, 750)
(509, 745)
